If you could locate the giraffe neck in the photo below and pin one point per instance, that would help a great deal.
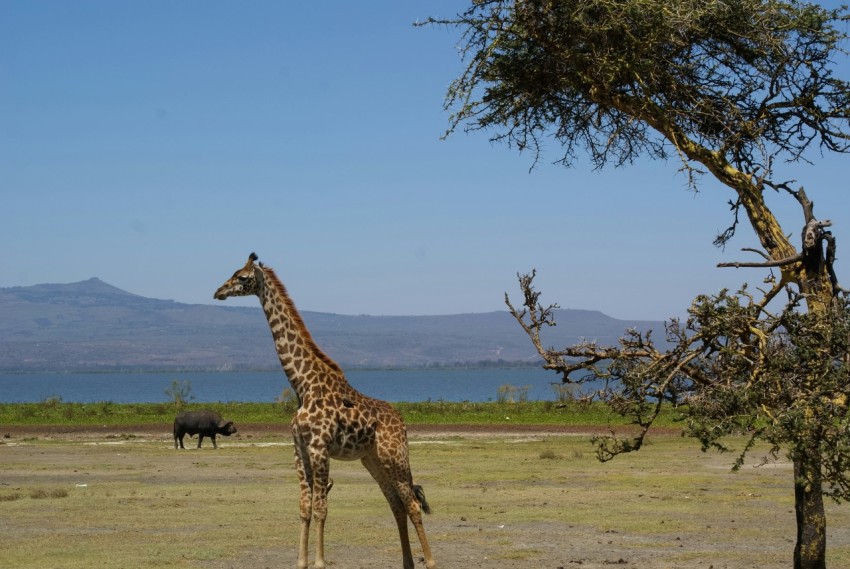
(304, 363)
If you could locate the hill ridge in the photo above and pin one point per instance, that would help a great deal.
(92, 325)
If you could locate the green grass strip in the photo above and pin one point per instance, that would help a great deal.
(60, 413)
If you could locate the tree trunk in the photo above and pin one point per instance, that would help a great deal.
(810, 551)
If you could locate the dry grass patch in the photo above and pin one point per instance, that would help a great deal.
(499, 502)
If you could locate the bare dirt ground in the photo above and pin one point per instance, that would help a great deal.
(504, 497)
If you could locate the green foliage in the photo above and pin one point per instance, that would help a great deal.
(735, 369)
(784, 380)
(751, 78)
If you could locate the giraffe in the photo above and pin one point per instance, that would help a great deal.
(333, 420)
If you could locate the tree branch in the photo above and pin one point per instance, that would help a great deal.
(777, 263)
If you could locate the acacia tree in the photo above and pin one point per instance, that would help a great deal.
(730, 88)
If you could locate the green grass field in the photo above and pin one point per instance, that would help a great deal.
(500, 501)
(115, 497)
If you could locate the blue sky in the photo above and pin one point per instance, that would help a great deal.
(156, 144)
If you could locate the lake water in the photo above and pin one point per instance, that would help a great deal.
(475, 385)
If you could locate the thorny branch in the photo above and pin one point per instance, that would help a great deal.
(731, 368)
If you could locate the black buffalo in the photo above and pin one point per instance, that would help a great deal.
(201, 423)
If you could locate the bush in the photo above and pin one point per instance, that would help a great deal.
(180, 392)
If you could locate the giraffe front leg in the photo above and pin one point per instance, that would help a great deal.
(303, 542)
(305, 483)
(320, 466)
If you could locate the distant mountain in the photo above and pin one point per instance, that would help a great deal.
(93, 326)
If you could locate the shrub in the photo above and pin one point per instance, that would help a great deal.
(180, 392)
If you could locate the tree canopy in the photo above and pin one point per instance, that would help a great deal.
(727, 87)
(748, 79)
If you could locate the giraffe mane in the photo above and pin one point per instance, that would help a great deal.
(296, 318)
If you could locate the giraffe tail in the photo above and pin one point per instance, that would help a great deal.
(420, 497)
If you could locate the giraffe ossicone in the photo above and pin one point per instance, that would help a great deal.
(333, 420)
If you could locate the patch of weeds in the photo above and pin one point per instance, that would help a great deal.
(51, 402)
(122, 436)
(10, 497)
(43, 493)
(519, 554)
(549, 454)
(25, 411)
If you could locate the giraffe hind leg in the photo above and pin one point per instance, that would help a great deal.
(396, 505)
(405, 500)
(416, 504)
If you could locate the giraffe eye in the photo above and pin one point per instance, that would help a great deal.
(241, 278)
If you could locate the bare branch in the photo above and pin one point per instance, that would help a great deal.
(777, 263)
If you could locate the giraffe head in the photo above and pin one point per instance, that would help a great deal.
(246, 281)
